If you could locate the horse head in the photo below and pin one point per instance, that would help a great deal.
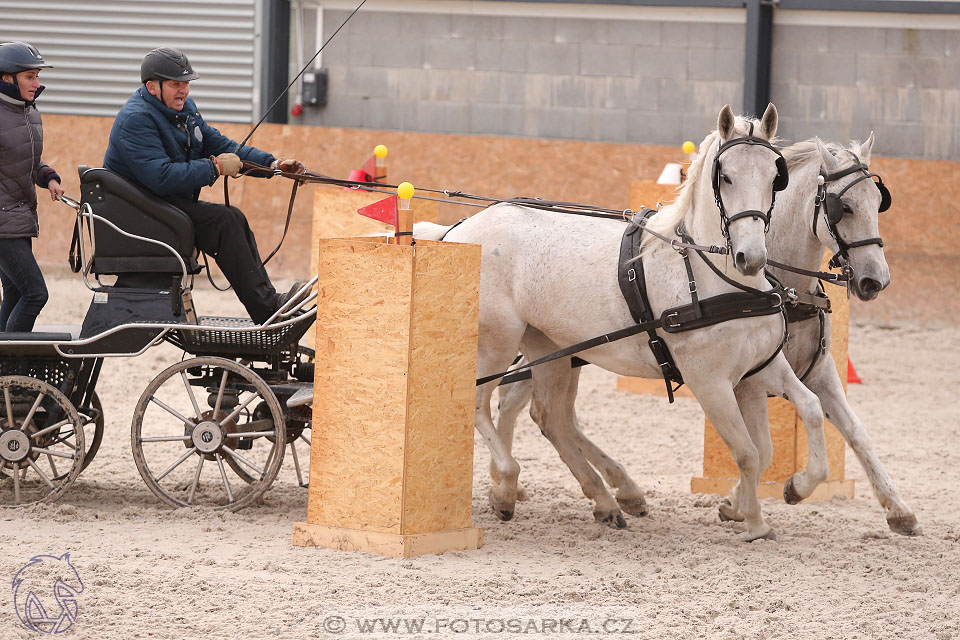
(846, 220)
(747, 173)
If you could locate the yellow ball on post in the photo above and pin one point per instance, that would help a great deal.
(689, 147)
(406, 190)
(380, 151)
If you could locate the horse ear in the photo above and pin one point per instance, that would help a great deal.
(725, 123)
(865, 149)
(827, 160)
(769, 122)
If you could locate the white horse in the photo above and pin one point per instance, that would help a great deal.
(799, 232)
(550, 280)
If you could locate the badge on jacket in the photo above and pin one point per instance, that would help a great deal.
(198, 134)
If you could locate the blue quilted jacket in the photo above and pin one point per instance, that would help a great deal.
(166, 151)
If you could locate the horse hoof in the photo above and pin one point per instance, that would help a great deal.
(637, 507)
(500, 510)
(769, 535)
(790, 495)
(612, 520)
(906, 525)
(727, 514)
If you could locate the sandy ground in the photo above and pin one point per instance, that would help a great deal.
(150, 571)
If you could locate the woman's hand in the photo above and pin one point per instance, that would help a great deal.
(55, 189)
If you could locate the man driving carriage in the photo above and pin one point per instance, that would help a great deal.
(160, 142)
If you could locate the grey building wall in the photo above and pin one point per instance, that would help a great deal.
(843, 82)
(634, 81)
(647, 82)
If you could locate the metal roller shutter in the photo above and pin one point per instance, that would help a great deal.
(96, 47)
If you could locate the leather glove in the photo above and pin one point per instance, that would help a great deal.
(290, 165)
(228, 164)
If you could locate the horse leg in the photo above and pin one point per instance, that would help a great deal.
(496, 350)
(825, 382)
(554, 394)
(752, 400)
(720, 405)
(513, 398)
(802, 483)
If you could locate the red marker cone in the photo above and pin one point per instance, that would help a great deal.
(852, 377)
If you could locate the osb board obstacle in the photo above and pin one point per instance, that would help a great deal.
(720, 472)
(391, 465)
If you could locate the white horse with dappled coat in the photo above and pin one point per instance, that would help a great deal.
(831, 202)
(550, 280)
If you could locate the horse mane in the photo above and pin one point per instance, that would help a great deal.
(680, 212)
(800, 153)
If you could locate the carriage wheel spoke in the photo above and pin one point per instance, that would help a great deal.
(223, 474)
(59, 454)
(47, 430)
(9, 405)
(250, 434)
(306, 439)
(193, 398)
(176, 414)
(53, 467)
(16, 481)
(33, 409)
(239, 458)
(296, 463)
(223, 385)
(243, 405)
(196, 481)
(183, 438)
(176, 464)
(40, 473)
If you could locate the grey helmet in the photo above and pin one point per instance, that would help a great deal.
(20, 56)
(166, 63)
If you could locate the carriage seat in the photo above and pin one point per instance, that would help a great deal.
(138, 212)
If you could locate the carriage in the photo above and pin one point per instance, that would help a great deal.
(208, 430)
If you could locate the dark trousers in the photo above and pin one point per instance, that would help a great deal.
(223, 233)
(24, 291)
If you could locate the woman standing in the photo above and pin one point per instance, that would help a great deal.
(21, 145)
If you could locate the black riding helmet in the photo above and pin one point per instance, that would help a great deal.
(166, 63)
(20, 56)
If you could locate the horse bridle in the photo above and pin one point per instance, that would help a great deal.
(834, 209)
(779, 183)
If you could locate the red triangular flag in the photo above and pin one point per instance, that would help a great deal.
(383, 210)
(370, 168)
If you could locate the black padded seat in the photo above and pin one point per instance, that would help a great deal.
(138, 212)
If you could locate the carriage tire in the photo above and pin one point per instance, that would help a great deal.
(250, 491)
(32, 485)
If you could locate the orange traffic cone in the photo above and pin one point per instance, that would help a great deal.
(852, 377)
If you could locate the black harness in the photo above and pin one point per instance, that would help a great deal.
(834, 208)
(699, 313)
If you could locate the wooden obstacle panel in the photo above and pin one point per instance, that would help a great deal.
(391, 466)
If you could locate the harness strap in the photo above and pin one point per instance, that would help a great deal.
(633, 286)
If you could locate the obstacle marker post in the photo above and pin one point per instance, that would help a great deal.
(391, 467)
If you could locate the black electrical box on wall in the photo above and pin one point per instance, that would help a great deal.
(314, 89)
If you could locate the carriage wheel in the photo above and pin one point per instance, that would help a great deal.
(94, 435)
(188, 455)
(41, 442)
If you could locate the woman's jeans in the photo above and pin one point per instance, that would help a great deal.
(24, 292)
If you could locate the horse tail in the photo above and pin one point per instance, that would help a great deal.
(429, 231)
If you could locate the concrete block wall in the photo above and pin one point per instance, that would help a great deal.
(843, 82)
(638, 81)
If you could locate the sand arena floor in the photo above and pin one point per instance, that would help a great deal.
(837, 572)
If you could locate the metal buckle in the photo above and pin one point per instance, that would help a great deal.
(693, 286)
(667, 322)
(631, 275)
(792, 294)
(779, 299)
(823, 346)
